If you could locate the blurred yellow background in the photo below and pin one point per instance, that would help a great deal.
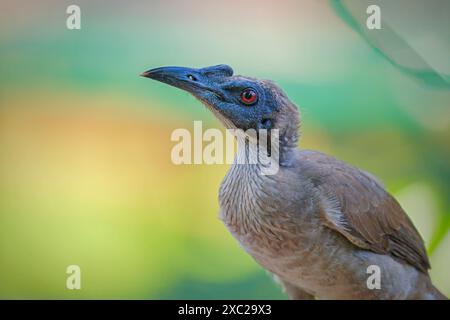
(85, 170)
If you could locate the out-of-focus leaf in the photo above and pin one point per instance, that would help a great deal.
(414, 35)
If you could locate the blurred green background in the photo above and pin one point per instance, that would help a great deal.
(85, 170)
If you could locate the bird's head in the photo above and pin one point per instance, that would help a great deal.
(238, 102)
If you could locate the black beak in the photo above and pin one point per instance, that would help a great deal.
(180, 77)
(163, 73)
(198, 82)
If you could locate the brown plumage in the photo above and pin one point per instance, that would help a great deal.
(368, 216)
(318, 223)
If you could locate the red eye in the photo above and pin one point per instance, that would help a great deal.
(249, 96)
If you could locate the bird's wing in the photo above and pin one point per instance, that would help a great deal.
(356, 205)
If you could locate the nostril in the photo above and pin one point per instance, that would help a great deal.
(191, 77)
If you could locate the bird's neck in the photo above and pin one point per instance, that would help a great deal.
(288, 144)
(288, 122)
(242, 194)
(269, 153)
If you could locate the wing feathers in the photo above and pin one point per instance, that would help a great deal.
(356, 205)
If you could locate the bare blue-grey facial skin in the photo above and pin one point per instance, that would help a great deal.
(220, 91)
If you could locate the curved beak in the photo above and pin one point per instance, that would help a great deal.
(188, 79)
(199, 82)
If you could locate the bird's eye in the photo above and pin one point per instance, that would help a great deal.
(249, 96)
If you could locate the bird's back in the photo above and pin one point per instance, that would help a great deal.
(358, 206)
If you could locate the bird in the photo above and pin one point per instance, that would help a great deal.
(318, 224)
